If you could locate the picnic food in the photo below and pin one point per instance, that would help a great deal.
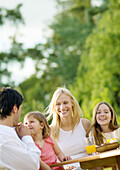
(107, 146)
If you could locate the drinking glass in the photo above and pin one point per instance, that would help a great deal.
(111, 137)
(90, 144)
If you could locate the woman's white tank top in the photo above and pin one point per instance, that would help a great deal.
(72, 144)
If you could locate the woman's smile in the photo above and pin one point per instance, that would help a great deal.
(64, 106)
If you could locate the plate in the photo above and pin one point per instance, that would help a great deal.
(107, 146)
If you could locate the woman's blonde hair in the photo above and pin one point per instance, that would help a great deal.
(51, 110)
(42, 119)
(96, 129)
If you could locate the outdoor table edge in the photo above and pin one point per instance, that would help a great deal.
(90, 157)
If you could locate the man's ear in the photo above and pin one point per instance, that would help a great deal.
(14, 109)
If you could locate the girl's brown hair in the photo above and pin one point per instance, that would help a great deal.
(96, 129)
(42, 119)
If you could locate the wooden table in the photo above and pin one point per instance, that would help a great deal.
(107, 158)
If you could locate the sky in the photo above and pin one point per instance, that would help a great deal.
(37, 15)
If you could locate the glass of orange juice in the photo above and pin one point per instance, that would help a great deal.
(111, 137)
(90, 144)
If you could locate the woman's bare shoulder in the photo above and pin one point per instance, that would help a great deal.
(86, 123)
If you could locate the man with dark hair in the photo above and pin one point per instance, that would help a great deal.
(17, 148)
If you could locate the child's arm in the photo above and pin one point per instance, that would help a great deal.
(44, 166)
(60, 154)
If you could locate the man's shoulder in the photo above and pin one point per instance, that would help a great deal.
(7, 131)
(8, 135)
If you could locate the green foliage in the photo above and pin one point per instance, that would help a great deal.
(35, 106)
(16, 49)
(82, 53)
(67, 42)
(57, 60)
(38, 92)
(13, 15)
(98, 77)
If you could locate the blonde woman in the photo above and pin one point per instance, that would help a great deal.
(105, 124)
(68, 128)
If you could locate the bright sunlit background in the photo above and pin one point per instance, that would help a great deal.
(64, 43)
(37, 15)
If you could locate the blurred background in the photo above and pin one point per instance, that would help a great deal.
(52, 43)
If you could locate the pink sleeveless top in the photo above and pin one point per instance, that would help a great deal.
(47, 153)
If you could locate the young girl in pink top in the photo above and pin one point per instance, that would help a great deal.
(40, 132)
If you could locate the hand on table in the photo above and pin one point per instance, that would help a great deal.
(69, 167)
(66, 158)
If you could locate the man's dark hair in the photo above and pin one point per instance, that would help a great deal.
(8, 98)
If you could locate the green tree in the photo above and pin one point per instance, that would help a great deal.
(37, 92)
(61, 54)
(98, 77)
(15, 53)
(73, 24)
(57, 60)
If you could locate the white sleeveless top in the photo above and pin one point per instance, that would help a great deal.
(72, 144)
